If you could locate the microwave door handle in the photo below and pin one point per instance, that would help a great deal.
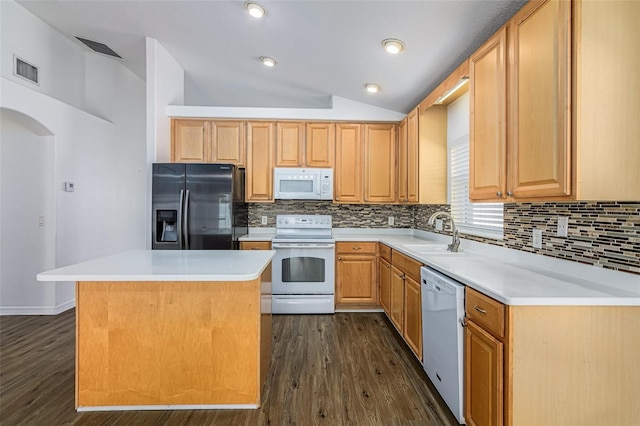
(318, 186)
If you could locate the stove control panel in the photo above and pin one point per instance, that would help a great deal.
(303, 221)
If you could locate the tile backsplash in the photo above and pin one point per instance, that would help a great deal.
(604, 234)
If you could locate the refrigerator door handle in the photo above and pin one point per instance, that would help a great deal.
(180, 218)
(185, 221)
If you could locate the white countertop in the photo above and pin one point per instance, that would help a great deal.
(167, 265)
(511, 276)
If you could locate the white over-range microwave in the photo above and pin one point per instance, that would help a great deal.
(297, 183)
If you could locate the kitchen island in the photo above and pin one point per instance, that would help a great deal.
(171, 329)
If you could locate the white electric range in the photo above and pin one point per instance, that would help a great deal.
(303, 276)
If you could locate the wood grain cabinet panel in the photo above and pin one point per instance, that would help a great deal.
(259, 173)
(408, 172)
(384, 278)
(412, 329)
(348, 170)
(289, 144)
(255, 245)
(380, 163)
(227, 142)
(320, 144)
(356, 273)
(397, 299)
(190, 141)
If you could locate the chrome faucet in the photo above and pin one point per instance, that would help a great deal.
(455, 240)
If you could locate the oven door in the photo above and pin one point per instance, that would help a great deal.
(303, 268)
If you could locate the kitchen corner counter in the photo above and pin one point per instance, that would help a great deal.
(167, 265)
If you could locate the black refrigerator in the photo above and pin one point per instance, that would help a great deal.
(198, 206)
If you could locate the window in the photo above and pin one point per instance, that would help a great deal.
(482, 219)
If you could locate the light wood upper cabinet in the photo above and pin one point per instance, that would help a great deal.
(227, 142)
(259, 173)
(320, 144)
(289, 145)
(408, 171)
(488, 119)
(379, 163)
(348, 171)
(190, 141)
(539, 100)
(606, 102)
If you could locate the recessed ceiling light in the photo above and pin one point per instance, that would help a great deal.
(255, 9)
(270, 62)
(372, 87)
(393, 45)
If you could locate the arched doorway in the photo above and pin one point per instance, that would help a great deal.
(27, 214)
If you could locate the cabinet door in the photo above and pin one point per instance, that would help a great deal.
(413, 316)
(259, 173)
(356, 279)
(227, 142)
(413, 172)
(403, 158)
(190, 141)
(488, 120)
(289, 144)
(483, 377)
(539, 100)
(384, 277)
(347, 174)
(379, 163)
(320, 144)
(397, 298)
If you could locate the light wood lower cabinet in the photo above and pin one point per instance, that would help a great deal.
(255, 245)
(384, 278)
(356, 274)
(405, 310)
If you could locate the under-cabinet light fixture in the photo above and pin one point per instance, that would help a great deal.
(454, 89)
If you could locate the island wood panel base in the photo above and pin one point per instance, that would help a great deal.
(573, 365)
(172, 343)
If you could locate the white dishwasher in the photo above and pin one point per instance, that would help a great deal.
(443, 336)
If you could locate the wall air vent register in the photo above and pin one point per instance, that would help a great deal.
(25, 70)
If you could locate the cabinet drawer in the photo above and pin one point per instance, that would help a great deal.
(356, 247)
(406, 264)
(255, 245)
(485, 311)
(385, 252)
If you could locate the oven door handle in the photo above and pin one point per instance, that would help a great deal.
(304, 246)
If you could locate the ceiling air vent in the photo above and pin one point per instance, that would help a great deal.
(99, 48)
(25, 70)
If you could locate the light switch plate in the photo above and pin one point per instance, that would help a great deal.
(392, 221)
(563, 226)
(41, 221)
(537, 238)
(264, 220)
(438, 224)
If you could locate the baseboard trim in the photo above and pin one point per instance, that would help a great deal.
(37, 310)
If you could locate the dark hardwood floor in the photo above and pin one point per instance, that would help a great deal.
(342, 369)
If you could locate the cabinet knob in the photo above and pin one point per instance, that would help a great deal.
(386, 266)
(509, 193)
(357, 248)
(255, 248)
(337, 198)
(499, 193)
(339, 258)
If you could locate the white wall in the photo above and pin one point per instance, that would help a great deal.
(165, 86)
(100, 146)
(61, 68)
(458, 118)
(27, 170)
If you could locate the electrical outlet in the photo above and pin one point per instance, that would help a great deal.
(563, 226)
(537, 238)
(392, 221)
(264, 220)
(438, 224)
(69, 187)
